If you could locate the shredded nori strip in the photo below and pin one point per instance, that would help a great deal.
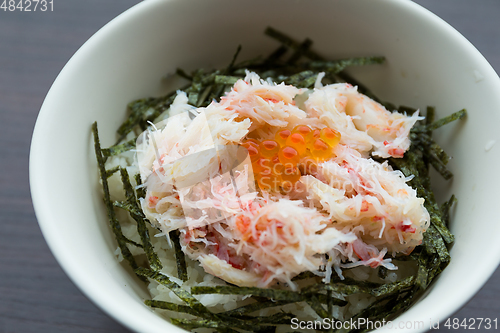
(289, 42)
(139, 191)
(355, 287)
(111, 172)
(140, 219)
(115, 225)
(182, 73)
(445, 210)
(259, 305)
(274, 294)
(235, 56)
(203, 97)
(171, 306)
(132, 209)
(303, 47)
(137, 108)
(439, 166)
(233, 319)
(316, 305)
(224, 79)
(443, 121)
(335, 67)
(179, 256)
(329, 307)
(183, 294)
(139, 113)
(303, 79)
(382, 305)
(118, 149)
(276, 55)
(422, 273)
(429, 116)
(434, 149)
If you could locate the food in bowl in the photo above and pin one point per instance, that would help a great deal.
(291, 189)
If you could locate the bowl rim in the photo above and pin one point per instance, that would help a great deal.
(44, 216)
(39, 199)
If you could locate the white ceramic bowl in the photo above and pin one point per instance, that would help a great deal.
(428, 63)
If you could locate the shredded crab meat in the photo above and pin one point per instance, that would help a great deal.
(356, 191)
(350, 210)
(263, 102)
(365, 124)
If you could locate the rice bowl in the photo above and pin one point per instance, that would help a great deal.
(396, 90)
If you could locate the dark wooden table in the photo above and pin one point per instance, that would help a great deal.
(35, 294)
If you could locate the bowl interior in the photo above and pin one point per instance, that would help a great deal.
(428, 63)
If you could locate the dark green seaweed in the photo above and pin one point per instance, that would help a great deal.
(140, 219)
(304, 79)
(359, 287)
(329, 307)
(299, 52)
(118, 149)
(273, 294)
(422, 273)
(335, 67)
(224, 79)
(276, 55)
(111, 172)
(171, 307)
(179, 256)
(139, 190)
(132, 209)
(182, 73)
(258, 305)
(316, 305)
(115, 225)
(430, 115)
(230, 67)
(443, 121)
(445, 210)
(291, 43)
(183, 294)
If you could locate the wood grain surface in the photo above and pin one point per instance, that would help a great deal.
(35, 294)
